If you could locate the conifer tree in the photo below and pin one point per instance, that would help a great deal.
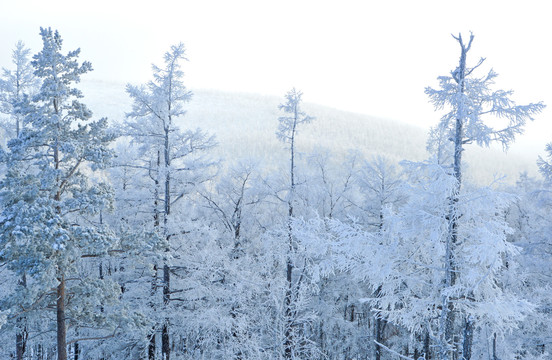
(15, 85)
(471, 101)
(171, 158)
(49, 199)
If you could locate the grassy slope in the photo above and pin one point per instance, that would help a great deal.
(245, 124)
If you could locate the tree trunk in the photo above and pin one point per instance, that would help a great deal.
(22, 334)
(165, 343)
(288, 333)
(447, 312)
(21, 338)
(378, 334)
(427, 350)
(468, 339)
(288, 313)
(151, 345)
(60, 312)
(165, 340)
(495, 357)
(39, 352)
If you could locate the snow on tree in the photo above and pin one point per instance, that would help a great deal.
(529, 277)
(328, 184)
(545, 166)
(380, 182)
(173, 159)
(15, 85)
(437, 264)
(378, 262)
(287, 131)
(235, 200)
(50, 194)
(471, 101)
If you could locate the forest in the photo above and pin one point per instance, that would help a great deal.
(131, 239)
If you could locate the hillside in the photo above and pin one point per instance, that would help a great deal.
(245, 125)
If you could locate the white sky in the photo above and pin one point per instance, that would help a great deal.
(372, 57)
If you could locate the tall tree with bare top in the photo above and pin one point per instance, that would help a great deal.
(471, 101)
(287, 131)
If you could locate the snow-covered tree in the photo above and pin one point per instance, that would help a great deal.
(173, 159)
(545, 165)
(471, 101)
(51, 192)
(15, 85)
(287, 131)
(235, 199)
(328, 185)
(529, 216)
(380, 182)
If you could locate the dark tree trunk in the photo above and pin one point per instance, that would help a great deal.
(468, 340)
(288, 313)
(427, 350)
(165, 343)
(40, 352)
(495, 356)
(378, 334)
(60, 317)
(165, 339)
(22, 334)
(151, 345)
(21, 339)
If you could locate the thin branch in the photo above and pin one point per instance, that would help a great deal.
(392, 351)
(94, 338)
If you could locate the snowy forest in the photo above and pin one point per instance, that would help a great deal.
(131, 239)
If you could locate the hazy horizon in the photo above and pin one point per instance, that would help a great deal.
(363, 57)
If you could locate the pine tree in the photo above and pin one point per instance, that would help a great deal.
(15, 85)
(49, 197)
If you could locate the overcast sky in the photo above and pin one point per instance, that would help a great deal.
(372, 57)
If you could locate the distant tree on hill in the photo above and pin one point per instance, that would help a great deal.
(15, 85)
(545, 165)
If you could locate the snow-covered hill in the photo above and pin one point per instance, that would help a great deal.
(245, 125)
